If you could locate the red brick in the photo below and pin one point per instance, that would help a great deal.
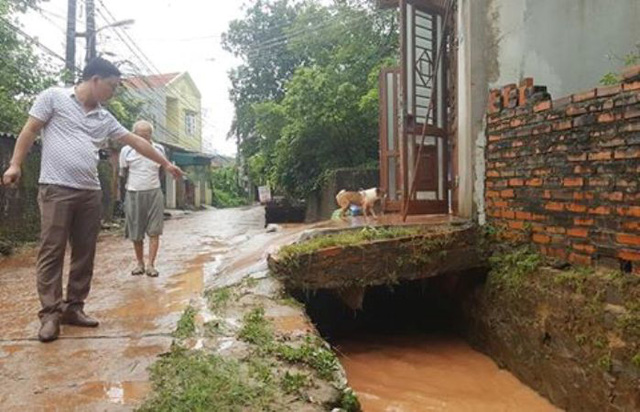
(509, 193)
(556, 230)
(578, 232)
(580, 259)
(614, 196)
(632, 255)
(494, 212)
(583, 222)
(542, 129)
(573, 182)
(598, 182)
(523, 215)
(500, 203)
(494, 103)
(606, 118)
(516, 123)
(584, 248)
(628, 239)
(508, 214)
(629, 211)
(517, 143)
(630, 127)
(556, 253)
(506, 93)
(631, 112)
(493, 173)
(604, 155)
(631, 226)
(631, 86)
(581, 170)
(575, 110)
(600, 210)
(563, 125)
(576, 208)
(542, 106)
(543, 239)
(577, 158)
(495, 137)
(539, 218)
(631, 72)
(541, 172)
(535, 182)
(580, 97)
(554, 206)
(516, 182)
(608, 90)
(583, 196)
(492, 193)
(516, 224)
(631, 153)
(546, 194)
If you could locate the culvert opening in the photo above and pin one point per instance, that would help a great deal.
(406, 350)
(425, 306)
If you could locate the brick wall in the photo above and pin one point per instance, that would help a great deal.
(564, 173)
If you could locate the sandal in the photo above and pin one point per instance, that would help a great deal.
(139, 270)
(152, 272)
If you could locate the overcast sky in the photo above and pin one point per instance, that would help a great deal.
(176, 35)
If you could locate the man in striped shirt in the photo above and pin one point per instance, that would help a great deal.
(73, 125)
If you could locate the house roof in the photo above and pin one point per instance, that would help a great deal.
(152, 81)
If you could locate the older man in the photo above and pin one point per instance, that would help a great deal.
(74, 126)
(144, 202)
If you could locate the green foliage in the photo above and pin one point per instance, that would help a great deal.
(194, 381)
(125, 109)
(219, 298)
(348, 238)
(636, 360)
(227, 192)
(630, 59)
(510, 268)
(256, 329)
(186, 325)
(350, 401)
(312, 353)
(293, 382)
(23, 73)
(309, 104)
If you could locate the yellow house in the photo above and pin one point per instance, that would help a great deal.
(172, 102)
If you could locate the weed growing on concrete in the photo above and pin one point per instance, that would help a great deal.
(350, 401)
(194, 381)
(218, 298)
(186, 325)
(294, 382)
(256, 330)
(312, 353)
(347, 238)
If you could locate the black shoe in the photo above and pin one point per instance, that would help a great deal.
(77, 317)
(49, 331)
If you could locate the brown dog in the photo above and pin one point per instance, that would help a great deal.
(365, 199)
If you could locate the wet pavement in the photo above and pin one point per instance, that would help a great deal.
(105, 368)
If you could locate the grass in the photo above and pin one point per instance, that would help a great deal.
(186, 325)
(192, 381)
(348, 238)
(256, 329)
(511, 268)
(219, 298)
(636, 360)
(294, 382)
(311, 353)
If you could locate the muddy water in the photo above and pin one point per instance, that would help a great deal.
(431, 373)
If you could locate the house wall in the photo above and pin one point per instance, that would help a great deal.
(564, 174)
(564, 45)
(185, 100)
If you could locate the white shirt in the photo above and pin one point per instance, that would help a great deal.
(143, 173)
(71, 138)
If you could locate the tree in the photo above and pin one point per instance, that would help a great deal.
(325, 113)
(22, 73)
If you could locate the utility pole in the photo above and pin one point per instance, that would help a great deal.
(91, 30)
(70, 55)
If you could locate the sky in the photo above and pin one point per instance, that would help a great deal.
(175, 35)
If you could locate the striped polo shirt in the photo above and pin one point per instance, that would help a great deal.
(71, 138)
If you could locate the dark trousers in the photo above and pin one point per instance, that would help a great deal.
(66, 215)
